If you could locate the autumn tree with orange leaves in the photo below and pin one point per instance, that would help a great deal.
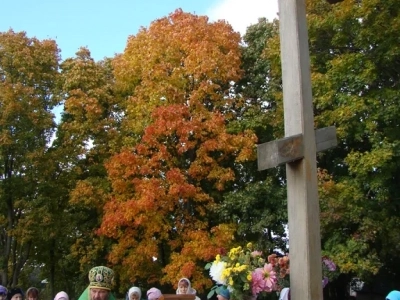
(180, 59)
(179, 158)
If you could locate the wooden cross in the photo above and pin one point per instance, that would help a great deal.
(298, 150)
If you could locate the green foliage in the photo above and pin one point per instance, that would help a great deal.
(257, 202)
(353, 58)
(86, 137)
(260, 211)
(28, 78)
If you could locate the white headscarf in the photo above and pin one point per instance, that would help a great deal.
(61, 295)
(190, 290)
(134, 289)
(284, 294)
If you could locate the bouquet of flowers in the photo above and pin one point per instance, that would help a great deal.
(244, 272)
(281, 267)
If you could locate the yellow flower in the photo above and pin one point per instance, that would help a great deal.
(248, 276)
(227, 272)
(249, 246)
(217, 258)
(231, 281)
(234, 252)
(242, 268)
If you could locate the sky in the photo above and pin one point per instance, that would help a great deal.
(103, 26)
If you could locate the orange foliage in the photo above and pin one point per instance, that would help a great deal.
(179, 59)
(178, 154)
(198, 246)
(159, 200)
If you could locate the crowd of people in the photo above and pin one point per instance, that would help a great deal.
(31, 294)
(99, 288)
(101, 282)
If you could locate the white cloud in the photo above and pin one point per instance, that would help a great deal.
(241, 14)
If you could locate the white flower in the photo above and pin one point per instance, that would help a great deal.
(216, 271)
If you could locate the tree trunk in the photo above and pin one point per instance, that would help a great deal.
(52, 261)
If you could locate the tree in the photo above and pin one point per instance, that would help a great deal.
(164, 190)
(88, 134)
(179, 159)
(353, 54)
(181, 58)
(361, 82)
(52, 226)
(28, 74)
(258, 201)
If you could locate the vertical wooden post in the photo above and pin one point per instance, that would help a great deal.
(303, 204)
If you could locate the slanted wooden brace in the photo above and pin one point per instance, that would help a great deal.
(298, 150)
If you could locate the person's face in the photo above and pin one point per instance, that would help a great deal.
(16, 297)
(183, 287)
(3, 296)
(31, 297)
(134, 296)
(98, 294)
(219, 297)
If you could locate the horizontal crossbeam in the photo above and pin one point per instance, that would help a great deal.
(289, 149)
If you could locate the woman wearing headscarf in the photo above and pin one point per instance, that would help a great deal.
(15, 294)
(134, 293)
(61, 296)
(3, 293)
(285, 294)
(185, 287)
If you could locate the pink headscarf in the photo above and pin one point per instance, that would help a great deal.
(61, 295)
(153, 293)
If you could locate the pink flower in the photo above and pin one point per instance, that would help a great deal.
(263, 279)
(256, 253)
(325, 281)
(329, 264)
(257, 282)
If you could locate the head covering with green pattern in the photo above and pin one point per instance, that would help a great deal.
(101, 277)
